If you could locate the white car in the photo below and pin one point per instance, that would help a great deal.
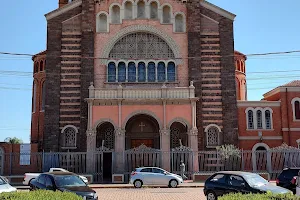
(298, 185)
(30, 176)
(5, 186)
(154, 176)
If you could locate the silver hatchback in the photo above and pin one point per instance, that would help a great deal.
(154, 176)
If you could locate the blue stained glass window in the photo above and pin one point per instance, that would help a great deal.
(131, 72)
(111, 72)
(121, 72)
(141, 72)
(161, 72)
(171, 72)
(151, 72)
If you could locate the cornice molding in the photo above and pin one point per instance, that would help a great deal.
(258, 138)
(258, 103)
(218, 10)
(63, 9)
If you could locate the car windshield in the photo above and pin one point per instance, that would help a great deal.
(2, 182)
(68, 181)
(255, 180)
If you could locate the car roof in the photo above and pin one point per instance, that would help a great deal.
(240, 173)
(60, 173)
(147, 167)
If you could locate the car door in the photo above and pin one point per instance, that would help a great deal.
(237, 184)
(41, 182)
(159, 177)
(218, 184)
(147, 176)
(49, 184)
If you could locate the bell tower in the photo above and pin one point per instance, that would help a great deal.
(240, 75)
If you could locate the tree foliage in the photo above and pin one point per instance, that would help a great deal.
(228, 150)
(13, 140)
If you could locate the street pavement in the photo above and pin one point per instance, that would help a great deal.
(150, 193)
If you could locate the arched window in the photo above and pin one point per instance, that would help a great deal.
(41, 66)
(151, 72)
(212, 136)
(111, 72)
(141, 72)
(166, 14)
(141, 11)
(259, 119)
(102, 23)
(131, 72)
(161, 72)
(34, 97)
(297, 109)
(121, 72)
(171, 72)
(268, 119)
(69, 137)
(43, 95)
(250, 119)
(128, 10)
(36, 67)
(105, 136)
(153, 10)
(179, 23)
(115, 15)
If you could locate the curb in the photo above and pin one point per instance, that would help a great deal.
(132, 187)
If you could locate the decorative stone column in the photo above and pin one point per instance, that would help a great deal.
(91, 146)
(119, 151)
(165, 148)
(193, 141)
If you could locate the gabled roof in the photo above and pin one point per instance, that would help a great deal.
(63, 9)
(38, 54)
(292, 84)
(217, 9)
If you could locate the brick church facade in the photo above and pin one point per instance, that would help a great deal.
(163, 73)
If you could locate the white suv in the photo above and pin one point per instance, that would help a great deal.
(154, 176)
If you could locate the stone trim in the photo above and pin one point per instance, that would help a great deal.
(103, 120)
(180, 120)
(138, 28)
(138, 112)
(217, 10)
(258, 103)
(291, 129)
(293, 107)
(63, 9)
(258, 138)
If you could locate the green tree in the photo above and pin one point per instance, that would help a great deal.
(13, 140)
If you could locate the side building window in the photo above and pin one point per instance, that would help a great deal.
(69, 136)
(296, 108)
(250, 124)
(259, 118)
(268, 119)
(259, 123)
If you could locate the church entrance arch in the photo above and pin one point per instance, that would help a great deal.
(142, 129)
(105, 145)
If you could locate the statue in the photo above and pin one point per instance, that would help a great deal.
(182, 170)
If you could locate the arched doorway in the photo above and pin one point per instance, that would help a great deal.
(260, 157)
(178, 135)
(105, 144)
(142, 129)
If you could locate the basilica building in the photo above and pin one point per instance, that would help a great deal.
(120, 74)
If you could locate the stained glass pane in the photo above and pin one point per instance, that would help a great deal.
(121, 72)
(161, 72)
(212, 136)
(250, 120)
(171, 72)
(131, 72)
(259, 119)
(141, 72)
(111, 72)
(70, 137)
(151, 72)
(268, 119)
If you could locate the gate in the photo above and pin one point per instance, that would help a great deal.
(103, 158)
(184, 154)
(141, 156)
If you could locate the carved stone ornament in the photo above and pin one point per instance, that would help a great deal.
(182, 148)
(142, 148)
(120, 132)
(193, 131)
(165, 132)
(90, 133)
(103, 148)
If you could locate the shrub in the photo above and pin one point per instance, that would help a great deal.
(267, 196)
(39, 195)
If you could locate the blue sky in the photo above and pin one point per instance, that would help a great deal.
(260, 26)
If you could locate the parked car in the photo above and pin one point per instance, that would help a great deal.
(5, 186)
(63, 181)
(225, 182)
(298, 184)
(154, 176)
(286, 178)
(28, 177)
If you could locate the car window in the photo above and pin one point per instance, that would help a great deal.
(48, 182)
(219, 178)
(68, 181)
(289, 173)
(41, 179)
(158, 171)
(236, 181)
(2, 181)
(146, 170)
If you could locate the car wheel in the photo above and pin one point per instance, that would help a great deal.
(211, 196)
(173, 183)
(138, 183)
